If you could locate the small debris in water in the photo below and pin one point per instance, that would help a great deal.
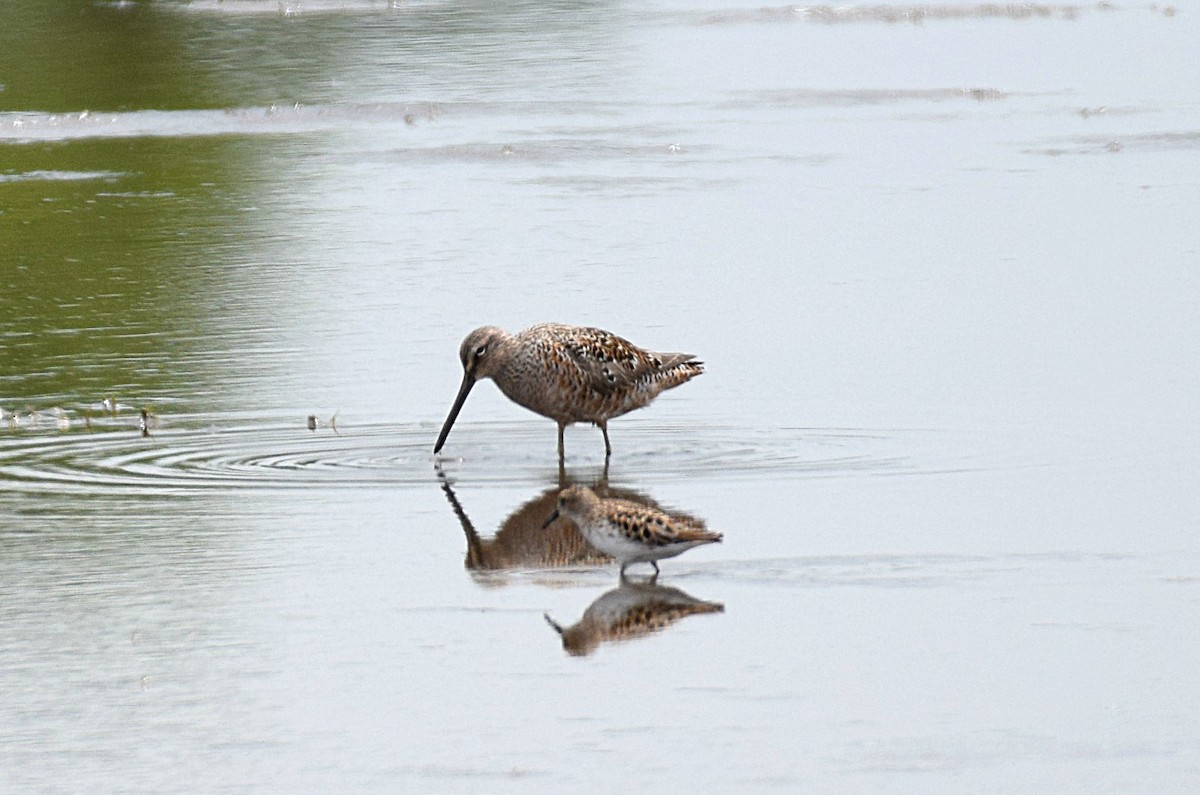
(312, 422)
(144, 423)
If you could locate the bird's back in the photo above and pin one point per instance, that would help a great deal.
(656, 528)
(583, 374)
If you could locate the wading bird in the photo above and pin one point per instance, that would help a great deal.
(568, 373)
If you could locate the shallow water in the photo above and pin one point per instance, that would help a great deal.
(939, 260)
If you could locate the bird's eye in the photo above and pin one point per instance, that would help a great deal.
(480, 351)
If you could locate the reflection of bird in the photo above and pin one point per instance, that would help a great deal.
(633, 610)
(630, 532)
(523, 542)
(568, 373)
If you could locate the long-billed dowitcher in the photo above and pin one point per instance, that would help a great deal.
(630, 532)
(568, 373)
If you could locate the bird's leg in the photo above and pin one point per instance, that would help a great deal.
(654, 563)
(561, 448)
(607, 446)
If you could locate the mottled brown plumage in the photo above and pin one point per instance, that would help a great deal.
(521, 542)
(568, 373)
(630, 532)
(634, 610)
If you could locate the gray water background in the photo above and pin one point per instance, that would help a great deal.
(941, 261)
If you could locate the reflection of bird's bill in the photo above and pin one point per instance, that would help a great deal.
(463, 390)
(550, 519)
(474, 543)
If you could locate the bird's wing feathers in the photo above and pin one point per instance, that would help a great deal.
(609, 362)
(655, 527)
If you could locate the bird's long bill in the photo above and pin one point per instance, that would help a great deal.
(557, 627)
(464, 390)
(550, 519)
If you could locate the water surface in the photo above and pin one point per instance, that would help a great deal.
(939, 260)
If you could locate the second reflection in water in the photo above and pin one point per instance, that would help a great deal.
(544, 533)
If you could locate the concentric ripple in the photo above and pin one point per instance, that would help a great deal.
(257, 456)
(277, 455)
